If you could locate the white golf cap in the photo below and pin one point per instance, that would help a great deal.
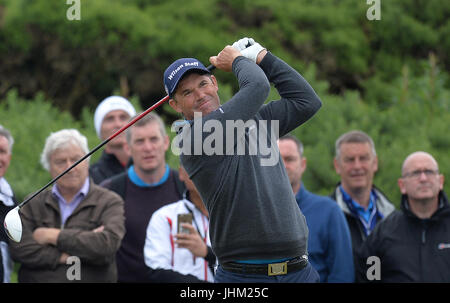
(109, 104)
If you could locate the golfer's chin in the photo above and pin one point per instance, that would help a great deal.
(207, 108)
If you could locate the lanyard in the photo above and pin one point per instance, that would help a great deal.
(205, 231)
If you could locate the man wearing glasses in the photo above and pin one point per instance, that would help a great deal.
(413, 244)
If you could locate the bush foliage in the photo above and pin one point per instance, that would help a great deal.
(127, 44)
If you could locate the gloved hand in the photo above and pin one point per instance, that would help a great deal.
(243, 43)
(248, 48)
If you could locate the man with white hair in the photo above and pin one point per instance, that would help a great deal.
(111, 115)
(413, 243)
(7, 202)
(75, 221)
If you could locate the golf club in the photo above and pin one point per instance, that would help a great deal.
(13, 223)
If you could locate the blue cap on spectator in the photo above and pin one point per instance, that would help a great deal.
(176, 70)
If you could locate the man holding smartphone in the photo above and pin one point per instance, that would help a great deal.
(177, 245)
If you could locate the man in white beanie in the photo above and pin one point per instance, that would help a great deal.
(111, 115)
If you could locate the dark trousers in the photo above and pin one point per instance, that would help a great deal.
(306, 275)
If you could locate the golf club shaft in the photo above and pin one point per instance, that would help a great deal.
(151, 108)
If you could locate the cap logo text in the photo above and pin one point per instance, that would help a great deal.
(176, 70)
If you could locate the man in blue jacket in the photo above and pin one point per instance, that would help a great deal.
(329, 242)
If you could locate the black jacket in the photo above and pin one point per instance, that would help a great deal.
(106, 167)
(410, 249)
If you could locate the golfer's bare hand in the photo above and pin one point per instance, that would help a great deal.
(46, 235)
(192, 241)
(224, 60)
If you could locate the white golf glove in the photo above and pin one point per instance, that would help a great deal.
(248, 48)
(243, 43)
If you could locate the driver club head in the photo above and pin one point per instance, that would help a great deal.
(13, 224)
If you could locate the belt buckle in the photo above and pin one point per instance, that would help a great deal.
(276, 269)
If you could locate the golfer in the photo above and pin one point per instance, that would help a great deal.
(257, 230)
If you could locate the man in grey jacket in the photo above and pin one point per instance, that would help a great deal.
(258, 233)
(363, 204)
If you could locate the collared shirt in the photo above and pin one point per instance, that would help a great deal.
(139, 182)
(67, 208)
(6, 193)
(369, 216)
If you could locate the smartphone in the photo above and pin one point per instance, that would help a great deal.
(184, 218)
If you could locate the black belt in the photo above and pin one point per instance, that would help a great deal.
(272, 269)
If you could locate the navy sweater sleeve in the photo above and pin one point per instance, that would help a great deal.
(253, 91)
(298, 103)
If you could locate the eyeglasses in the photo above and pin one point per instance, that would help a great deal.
(417, 173)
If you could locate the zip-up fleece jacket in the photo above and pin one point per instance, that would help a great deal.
(410, 249)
